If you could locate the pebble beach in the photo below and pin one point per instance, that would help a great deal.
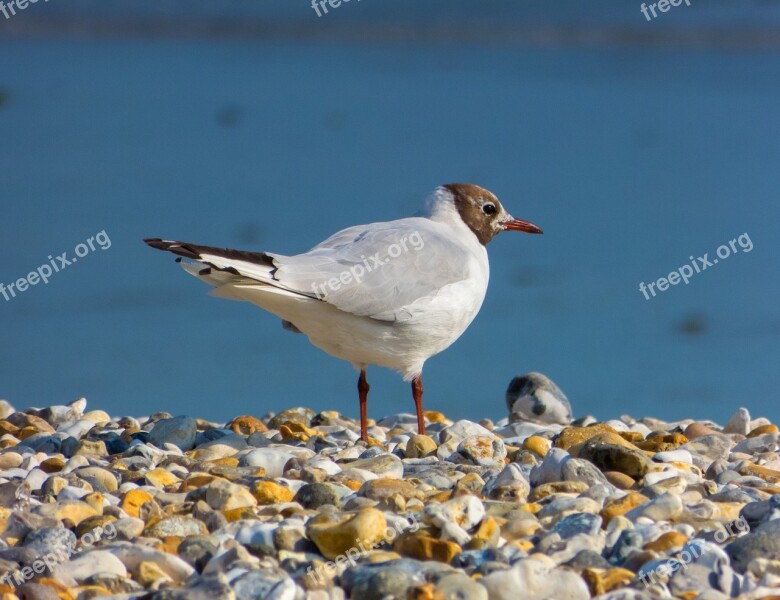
(535, 503)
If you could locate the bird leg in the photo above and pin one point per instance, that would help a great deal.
(417, 392)
(363, 388)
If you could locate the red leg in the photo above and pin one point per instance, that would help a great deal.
(417, 392)
(363, 388)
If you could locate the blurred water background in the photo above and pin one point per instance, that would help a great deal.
(259, 125)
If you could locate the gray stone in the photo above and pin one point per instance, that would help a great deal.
(537, 582)
(179, 431)
(386, 466)
(458, 586)
(739, 423)
(314, 495)
(264, 584)
(534, 397)
(178, 526)
(551, 468)
(588, 559)
(55, 540)
(36, 591)
(758, 444)
(582, 523)
(577, 469)
(198, 550)
(378, 581)
(763, 542)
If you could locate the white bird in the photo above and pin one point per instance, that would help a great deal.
(391, 294)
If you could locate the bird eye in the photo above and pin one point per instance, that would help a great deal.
(489, 209)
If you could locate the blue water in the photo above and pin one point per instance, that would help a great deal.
(633, 145)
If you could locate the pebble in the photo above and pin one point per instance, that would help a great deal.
(333, 539)
(420, 446)
(450, 437)
(534, 397)
(739, 423)
(315, 495)
(177, 507)
(225, 496)
(272, 460)
(538, 580)
(179, 431)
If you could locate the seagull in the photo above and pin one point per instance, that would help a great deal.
(390, 294)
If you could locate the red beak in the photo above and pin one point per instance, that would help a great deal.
(518, 225)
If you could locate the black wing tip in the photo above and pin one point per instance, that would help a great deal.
(158, 243)
(178, 248)
(195, 252)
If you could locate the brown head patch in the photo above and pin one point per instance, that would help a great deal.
(479, 208)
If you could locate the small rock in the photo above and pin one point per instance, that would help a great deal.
(382, 489)
(762, 542)
(537, 445)
(619, 480)
(272, 459)
(458, 586)
(178, 526)
(90, 564)
(571, 436)
(334, 539)
(580, 470)
(133, 500)
(671, 540)
(315, 495)
(537, 580)
(420, 446)
(481, 450)
(179, 431)
(451, 437)
(198, 550)
(292, 415)
(385, 466)
(270, 492)
(620, 506)
(423, 547)
(763, 429)
(106, 479)
(58, 541)
(739, 423)
(697, 430)
(611, 457)
(603, 581)
(392, 579)
(161, 478)
(246, 425)
(224, 496)
(534, 397)
(664, 508)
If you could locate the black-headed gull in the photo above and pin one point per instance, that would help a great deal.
(390, 294)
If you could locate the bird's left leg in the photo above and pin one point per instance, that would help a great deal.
(363, 388)
(417, 392)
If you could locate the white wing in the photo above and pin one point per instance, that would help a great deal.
(384, 270)
(387, 271)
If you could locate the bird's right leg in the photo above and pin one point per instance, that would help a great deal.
(363, 388)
